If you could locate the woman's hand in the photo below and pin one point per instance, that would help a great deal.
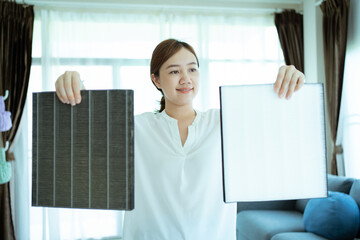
(68, 88)
(288, 81)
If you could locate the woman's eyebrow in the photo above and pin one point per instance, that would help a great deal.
(177, 65)
(172, 65)
(192, 63)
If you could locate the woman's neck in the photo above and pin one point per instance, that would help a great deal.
(180, 113)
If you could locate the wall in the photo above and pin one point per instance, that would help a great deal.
(314, 58)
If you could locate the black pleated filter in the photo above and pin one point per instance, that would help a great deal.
(83, 156)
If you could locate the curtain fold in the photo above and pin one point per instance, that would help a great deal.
(16, 30)
(6, 223)
(335, 24)
(289, 25)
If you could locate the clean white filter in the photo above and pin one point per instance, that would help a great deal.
(273, 148)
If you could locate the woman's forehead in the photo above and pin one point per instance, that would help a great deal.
(182, 58)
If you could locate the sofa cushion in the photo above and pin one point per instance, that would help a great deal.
(334, 217)
(301, 204)
(264, 224)
(335, 184)
(355, 194)
(297, 236)
(339, 183)
(355, 191)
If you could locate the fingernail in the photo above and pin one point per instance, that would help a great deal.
(67, 102)
(72, 103)
(78, 100)
(282, 95)
(277, 90)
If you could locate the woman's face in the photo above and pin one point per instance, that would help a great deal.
(179, 78)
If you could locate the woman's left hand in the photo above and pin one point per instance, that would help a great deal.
(288, 81)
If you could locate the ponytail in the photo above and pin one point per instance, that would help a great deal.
(162, 104)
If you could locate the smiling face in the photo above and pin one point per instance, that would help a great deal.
(178, 79)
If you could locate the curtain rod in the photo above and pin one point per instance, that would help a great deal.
(225, 7)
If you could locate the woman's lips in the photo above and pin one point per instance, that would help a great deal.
(184, 90)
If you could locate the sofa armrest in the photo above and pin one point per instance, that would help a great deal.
(335, 184)
(267, 205)
(339, 183)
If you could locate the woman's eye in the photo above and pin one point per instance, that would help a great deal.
(174, 72)
(193, 69)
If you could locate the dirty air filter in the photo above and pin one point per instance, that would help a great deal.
(83, 156)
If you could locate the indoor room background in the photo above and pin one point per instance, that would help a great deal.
(110, 44)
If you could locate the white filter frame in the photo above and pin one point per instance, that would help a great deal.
(272, 148)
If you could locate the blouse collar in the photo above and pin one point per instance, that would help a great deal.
(171, 119)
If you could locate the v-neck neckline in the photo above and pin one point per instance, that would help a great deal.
(176, 132)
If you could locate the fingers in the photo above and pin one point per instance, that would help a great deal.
(60, 90)
(300, 82)
(279, 79)
(68, 88)
(76, 87)
(292, 84)
(285, 81)
(288, 81)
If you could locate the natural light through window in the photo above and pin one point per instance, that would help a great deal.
(113, 51)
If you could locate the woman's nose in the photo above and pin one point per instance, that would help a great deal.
(185, 78)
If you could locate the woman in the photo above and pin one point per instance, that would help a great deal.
(178, 179)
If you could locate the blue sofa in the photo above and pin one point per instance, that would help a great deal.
(283, 220)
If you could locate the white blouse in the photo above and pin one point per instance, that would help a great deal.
(178, 189)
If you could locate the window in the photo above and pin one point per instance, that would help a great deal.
(113, 51)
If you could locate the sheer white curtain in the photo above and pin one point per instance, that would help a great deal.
(349, 120)
(113, 50)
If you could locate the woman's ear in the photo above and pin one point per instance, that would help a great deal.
(156, 81)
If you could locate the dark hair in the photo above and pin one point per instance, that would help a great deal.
(163, 51)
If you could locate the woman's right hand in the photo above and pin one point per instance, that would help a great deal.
(68, 88)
